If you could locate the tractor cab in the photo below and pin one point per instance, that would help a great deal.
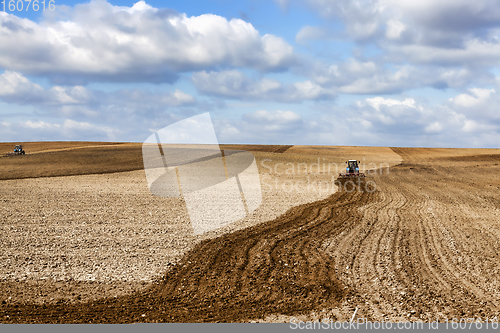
(352, 166)
(352, 171)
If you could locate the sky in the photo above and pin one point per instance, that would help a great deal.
(314, 72)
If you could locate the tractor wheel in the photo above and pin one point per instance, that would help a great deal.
(24, 152)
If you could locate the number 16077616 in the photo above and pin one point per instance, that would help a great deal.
(20, 5)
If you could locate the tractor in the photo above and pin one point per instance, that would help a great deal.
(18, 150)
(352, 170)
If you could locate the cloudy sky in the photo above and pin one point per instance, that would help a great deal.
(332, 72)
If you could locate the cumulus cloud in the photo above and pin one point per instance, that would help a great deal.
(398, 121)
(359, 124)
(394, 29)
(434, 127)
(16, 88)
(367, 17)
(38, 130)
(235, 84)
(461, 122)
(366, 77)
(476, 96)
(392, 115)
(263, 126)
(376, 102)
(449, 15)
(274, 117)
(439, 44)
(478, 105)
(362, 18)
(472, 53)
(449, 32)
(100, 41)
(81, 103)
(354, 76)
(399, 46)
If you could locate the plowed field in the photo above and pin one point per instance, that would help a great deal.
(421, 244)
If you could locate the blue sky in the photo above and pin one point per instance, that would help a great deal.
(328, 72)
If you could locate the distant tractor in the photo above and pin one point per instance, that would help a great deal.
(352, 171)
(18, 150)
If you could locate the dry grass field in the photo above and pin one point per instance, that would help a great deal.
(83, 240)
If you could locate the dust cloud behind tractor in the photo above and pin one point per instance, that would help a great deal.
(184, 160)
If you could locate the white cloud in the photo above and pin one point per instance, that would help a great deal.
(263, 126)
(475, 97)
(394, 29)
(396, 122)
(448, 32)
(40, 125)
(480, 106)
(280, 117)
(362, 18)
(14, 87)
(472, 126)
(67, 130)
(399, 45)
(448, 15)
(354, 76)
(80, 102)
(179, 98)
(99, 41)
(435, 127)
(235, 84)
(376, 102)
(366, 17)
(472, 52)
(408, 122)
(366, 77)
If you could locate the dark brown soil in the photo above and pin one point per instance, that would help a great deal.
(272, 268)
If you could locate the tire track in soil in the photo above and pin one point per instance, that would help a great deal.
(431, 226)
(443, 290)
(398, 261)
(372, 272)
(422, 270)
(449, 240)
(277, 267)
